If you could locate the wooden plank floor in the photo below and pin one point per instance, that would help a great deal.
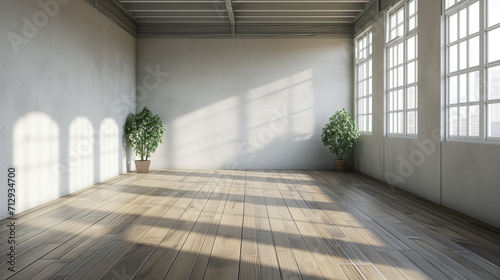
(248, 224)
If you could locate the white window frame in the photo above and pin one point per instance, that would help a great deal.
(394, 108)
(455, 7)
(364, 118)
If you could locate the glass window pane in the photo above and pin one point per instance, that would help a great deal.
(463, 24)
(400, 16)
(463, 88)
(395, 123)
(393, 21)
(463, 120)
(411, 48)
(410, 98)
(400, 76)
(474, 52)
(400, 53)
(369, 86)
(400, 99)
(453, 121)
(416, 96)
(391, 57)
(494, 120)
(412, 23)
(462, 61)
(474, 86)
(493, 45)
(411, 77)
(395, 101)
(416, 122)
(416, 45)
(401, 30)
(370, 123)
(453, 89)
(411, 8)
(391, 101)
(391, 79)
(493, 12)
(474, 120)
(453, 28)
(474, 18)
(411, 122)
(369, 105)
(416, 71)
(449, 3)
(494, 83)
(400, 123)
(391, 122)
(453, 58)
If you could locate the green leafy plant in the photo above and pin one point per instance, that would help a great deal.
(340, 134)
(144, 132)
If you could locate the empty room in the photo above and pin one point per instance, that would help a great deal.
(249, 139)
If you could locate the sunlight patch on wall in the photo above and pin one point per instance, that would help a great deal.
(36, 157)
(109, 143)
(290, 101)
(206, 130)
(81, 154)
(302, 105)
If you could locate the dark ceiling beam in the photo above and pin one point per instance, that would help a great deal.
(236, 18)
(248, 6)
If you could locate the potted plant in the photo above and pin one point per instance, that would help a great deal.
(339, 135)
(144, 132)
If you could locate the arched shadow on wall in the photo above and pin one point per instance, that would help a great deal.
(53, 159)
(36, 138)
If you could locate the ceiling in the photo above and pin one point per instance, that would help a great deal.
(243, 18)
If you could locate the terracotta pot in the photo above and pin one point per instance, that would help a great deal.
(340, 165)
(142, 166)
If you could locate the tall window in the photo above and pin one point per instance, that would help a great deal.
(364, 81)
(473, 69)
(402, 70)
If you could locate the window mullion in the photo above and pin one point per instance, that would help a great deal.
(405, 88)
(447, 67)
(482, 72)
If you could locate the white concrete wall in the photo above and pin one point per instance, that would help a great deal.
(67, 80)
(461, 176)
(244, 103)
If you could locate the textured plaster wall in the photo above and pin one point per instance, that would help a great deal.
(67, 83)
(245, 103)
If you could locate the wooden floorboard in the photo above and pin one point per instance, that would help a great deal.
(248, 224)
